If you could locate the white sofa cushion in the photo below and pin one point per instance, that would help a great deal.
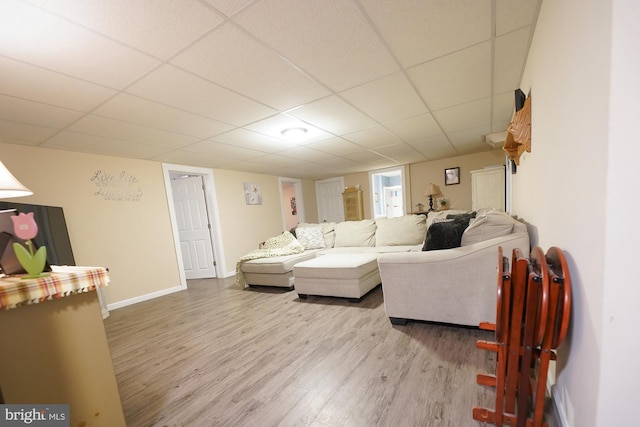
(401, 231)
(355, 233)
(328, 231)
(487, 225)
(310, 237)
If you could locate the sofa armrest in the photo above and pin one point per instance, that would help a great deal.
(452, 285)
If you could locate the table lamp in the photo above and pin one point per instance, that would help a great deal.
(432, 191)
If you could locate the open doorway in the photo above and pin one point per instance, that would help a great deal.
(291, 202)
(195, 176)
(388, 192)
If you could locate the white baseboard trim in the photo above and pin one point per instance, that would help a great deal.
(558, 410)
(228, 274)
(130, 301)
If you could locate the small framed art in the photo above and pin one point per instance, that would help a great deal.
(252, 193)
(452, 176)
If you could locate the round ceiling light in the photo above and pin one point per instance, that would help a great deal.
(294, 133)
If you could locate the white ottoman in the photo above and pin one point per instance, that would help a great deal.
(346, 275)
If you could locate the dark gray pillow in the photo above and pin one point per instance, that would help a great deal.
(445, 234)
(468, 216)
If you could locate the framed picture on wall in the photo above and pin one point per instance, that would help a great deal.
(452, 176)
(252, 193)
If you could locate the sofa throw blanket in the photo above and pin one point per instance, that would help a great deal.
(284, 244)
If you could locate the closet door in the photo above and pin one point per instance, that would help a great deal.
(488, 188)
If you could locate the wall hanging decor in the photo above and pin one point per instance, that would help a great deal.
(252, 193)
(452, 176)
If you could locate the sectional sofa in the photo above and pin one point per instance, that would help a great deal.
(402, 234)
(453, 284)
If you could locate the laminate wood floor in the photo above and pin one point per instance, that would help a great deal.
(215, 355)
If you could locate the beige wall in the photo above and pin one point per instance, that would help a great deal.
(576, 188)
(132, 238)
(245, 226)
(459, 195)
(310, 202)
(419, 175)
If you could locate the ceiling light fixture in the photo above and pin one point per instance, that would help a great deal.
(294, 133)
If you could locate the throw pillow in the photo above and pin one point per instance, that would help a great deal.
(400, 231)
(355, 233)
(487, 226)
(310, 237)
(445, 234)
(468, 216)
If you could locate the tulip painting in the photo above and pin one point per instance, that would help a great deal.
(33, 261)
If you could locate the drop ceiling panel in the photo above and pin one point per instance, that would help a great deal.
(142, 23)
(147, 78)
(100, 145)
(37, 84)
(418, 30)
(229, 7)
(514, 14)
(332, 41)
(387, 99)
(510, 59)
(173, 87)
(229, 56)
(181, 157)
(336, 145)
(414, 128)
(470, 140)
(366, 156)
(35, 113)
(401, 153)
(254, 140)
(434, 148)
(37, 37)
(333, 115)
(372, 138)
(307, 154)
(21, 133)
(476, 113)
(228, 151)
(462, 76)
(503, 108)
(138, 110)
(116, 129)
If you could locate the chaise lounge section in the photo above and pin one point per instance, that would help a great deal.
(456, 285)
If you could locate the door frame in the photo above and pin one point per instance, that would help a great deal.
(297, 188)
(212, 212)
(403, 181)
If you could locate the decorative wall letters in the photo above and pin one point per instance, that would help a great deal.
(123, 187)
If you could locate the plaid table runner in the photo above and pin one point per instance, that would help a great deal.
(62, 282)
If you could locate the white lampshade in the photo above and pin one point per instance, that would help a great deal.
(10, 186)
(433, 190)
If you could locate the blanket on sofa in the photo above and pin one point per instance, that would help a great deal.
(284, 244)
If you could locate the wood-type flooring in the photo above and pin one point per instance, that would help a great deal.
(215, 355)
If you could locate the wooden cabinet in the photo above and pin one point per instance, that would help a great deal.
(352, 201)
(488, 188)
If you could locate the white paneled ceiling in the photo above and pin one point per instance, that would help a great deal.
(212, 83)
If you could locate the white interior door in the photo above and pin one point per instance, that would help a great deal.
(393, 201)
(193, 227)
(329, 198)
